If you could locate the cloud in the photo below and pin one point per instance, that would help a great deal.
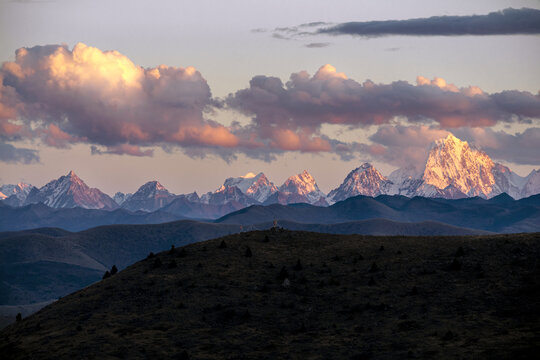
(100, 97)
(402, 145)
(11, 154)
(123, 149)
(316, 45)
(306, 102)
(409, 145)
(505, 22)
(520, 148)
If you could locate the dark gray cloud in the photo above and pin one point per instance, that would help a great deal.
(520, 148)
(11, 154)
(316, 45)
(505, 22)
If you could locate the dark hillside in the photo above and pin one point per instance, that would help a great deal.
(300, 295)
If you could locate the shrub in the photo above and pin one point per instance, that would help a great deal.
(106, 275)
(171, 252)
(157, 263)
(454, 266)
(151, 255)
(18, 317)
(283, 274)
(114, 270)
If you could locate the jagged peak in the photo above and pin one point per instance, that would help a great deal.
(154, 184)
(449, 141)
(71, 178)
(303, 177)
(72, 175)
(364, 167)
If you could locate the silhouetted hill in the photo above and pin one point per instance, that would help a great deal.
(499, 214)
(74, 219)
(379, 227)
(288, 294)
(34, 263)
(36, 266)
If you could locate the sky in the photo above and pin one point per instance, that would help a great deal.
(190, 93)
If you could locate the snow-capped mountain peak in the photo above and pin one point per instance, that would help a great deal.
(256, 187)
(303, 184)
(70, 191)
(149, 197)
(399, 176)
(121, 198)
(453, 162)
(364, 180)
(20, 190)
(532, 184)
(242, 182)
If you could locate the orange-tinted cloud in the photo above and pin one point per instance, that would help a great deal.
(101, 97)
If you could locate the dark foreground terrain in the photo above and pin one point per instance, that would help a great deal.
(299, 295)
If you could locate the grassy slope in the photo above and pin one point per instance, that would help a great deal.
(218, 303)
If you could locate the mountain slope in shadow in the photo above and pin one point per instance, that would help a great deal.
(280, 294)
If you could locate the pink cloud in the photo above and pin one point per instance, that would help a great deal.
(123, 149)
(329, 97)
(101, 97)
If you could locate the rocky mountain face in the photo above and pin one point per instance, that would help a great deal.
(70, 191)
(226, 194)
(300, 188)
(245, 190)
(453, 170)
(456, 168)
(532, 184)
(364, 180)
(257, 187)
(121, 198)
(149, 197)
(15, 195)
(452, 162)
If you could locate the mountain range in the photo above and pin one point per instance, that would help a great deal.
(453, 170)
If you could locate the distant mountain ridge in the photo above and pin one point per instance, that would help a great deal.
(499, 214)
(453, 170)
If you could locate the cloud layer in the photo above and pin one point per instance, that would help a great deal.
(11, 154)
(306, 102)
(61, 97)
(506, 22)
